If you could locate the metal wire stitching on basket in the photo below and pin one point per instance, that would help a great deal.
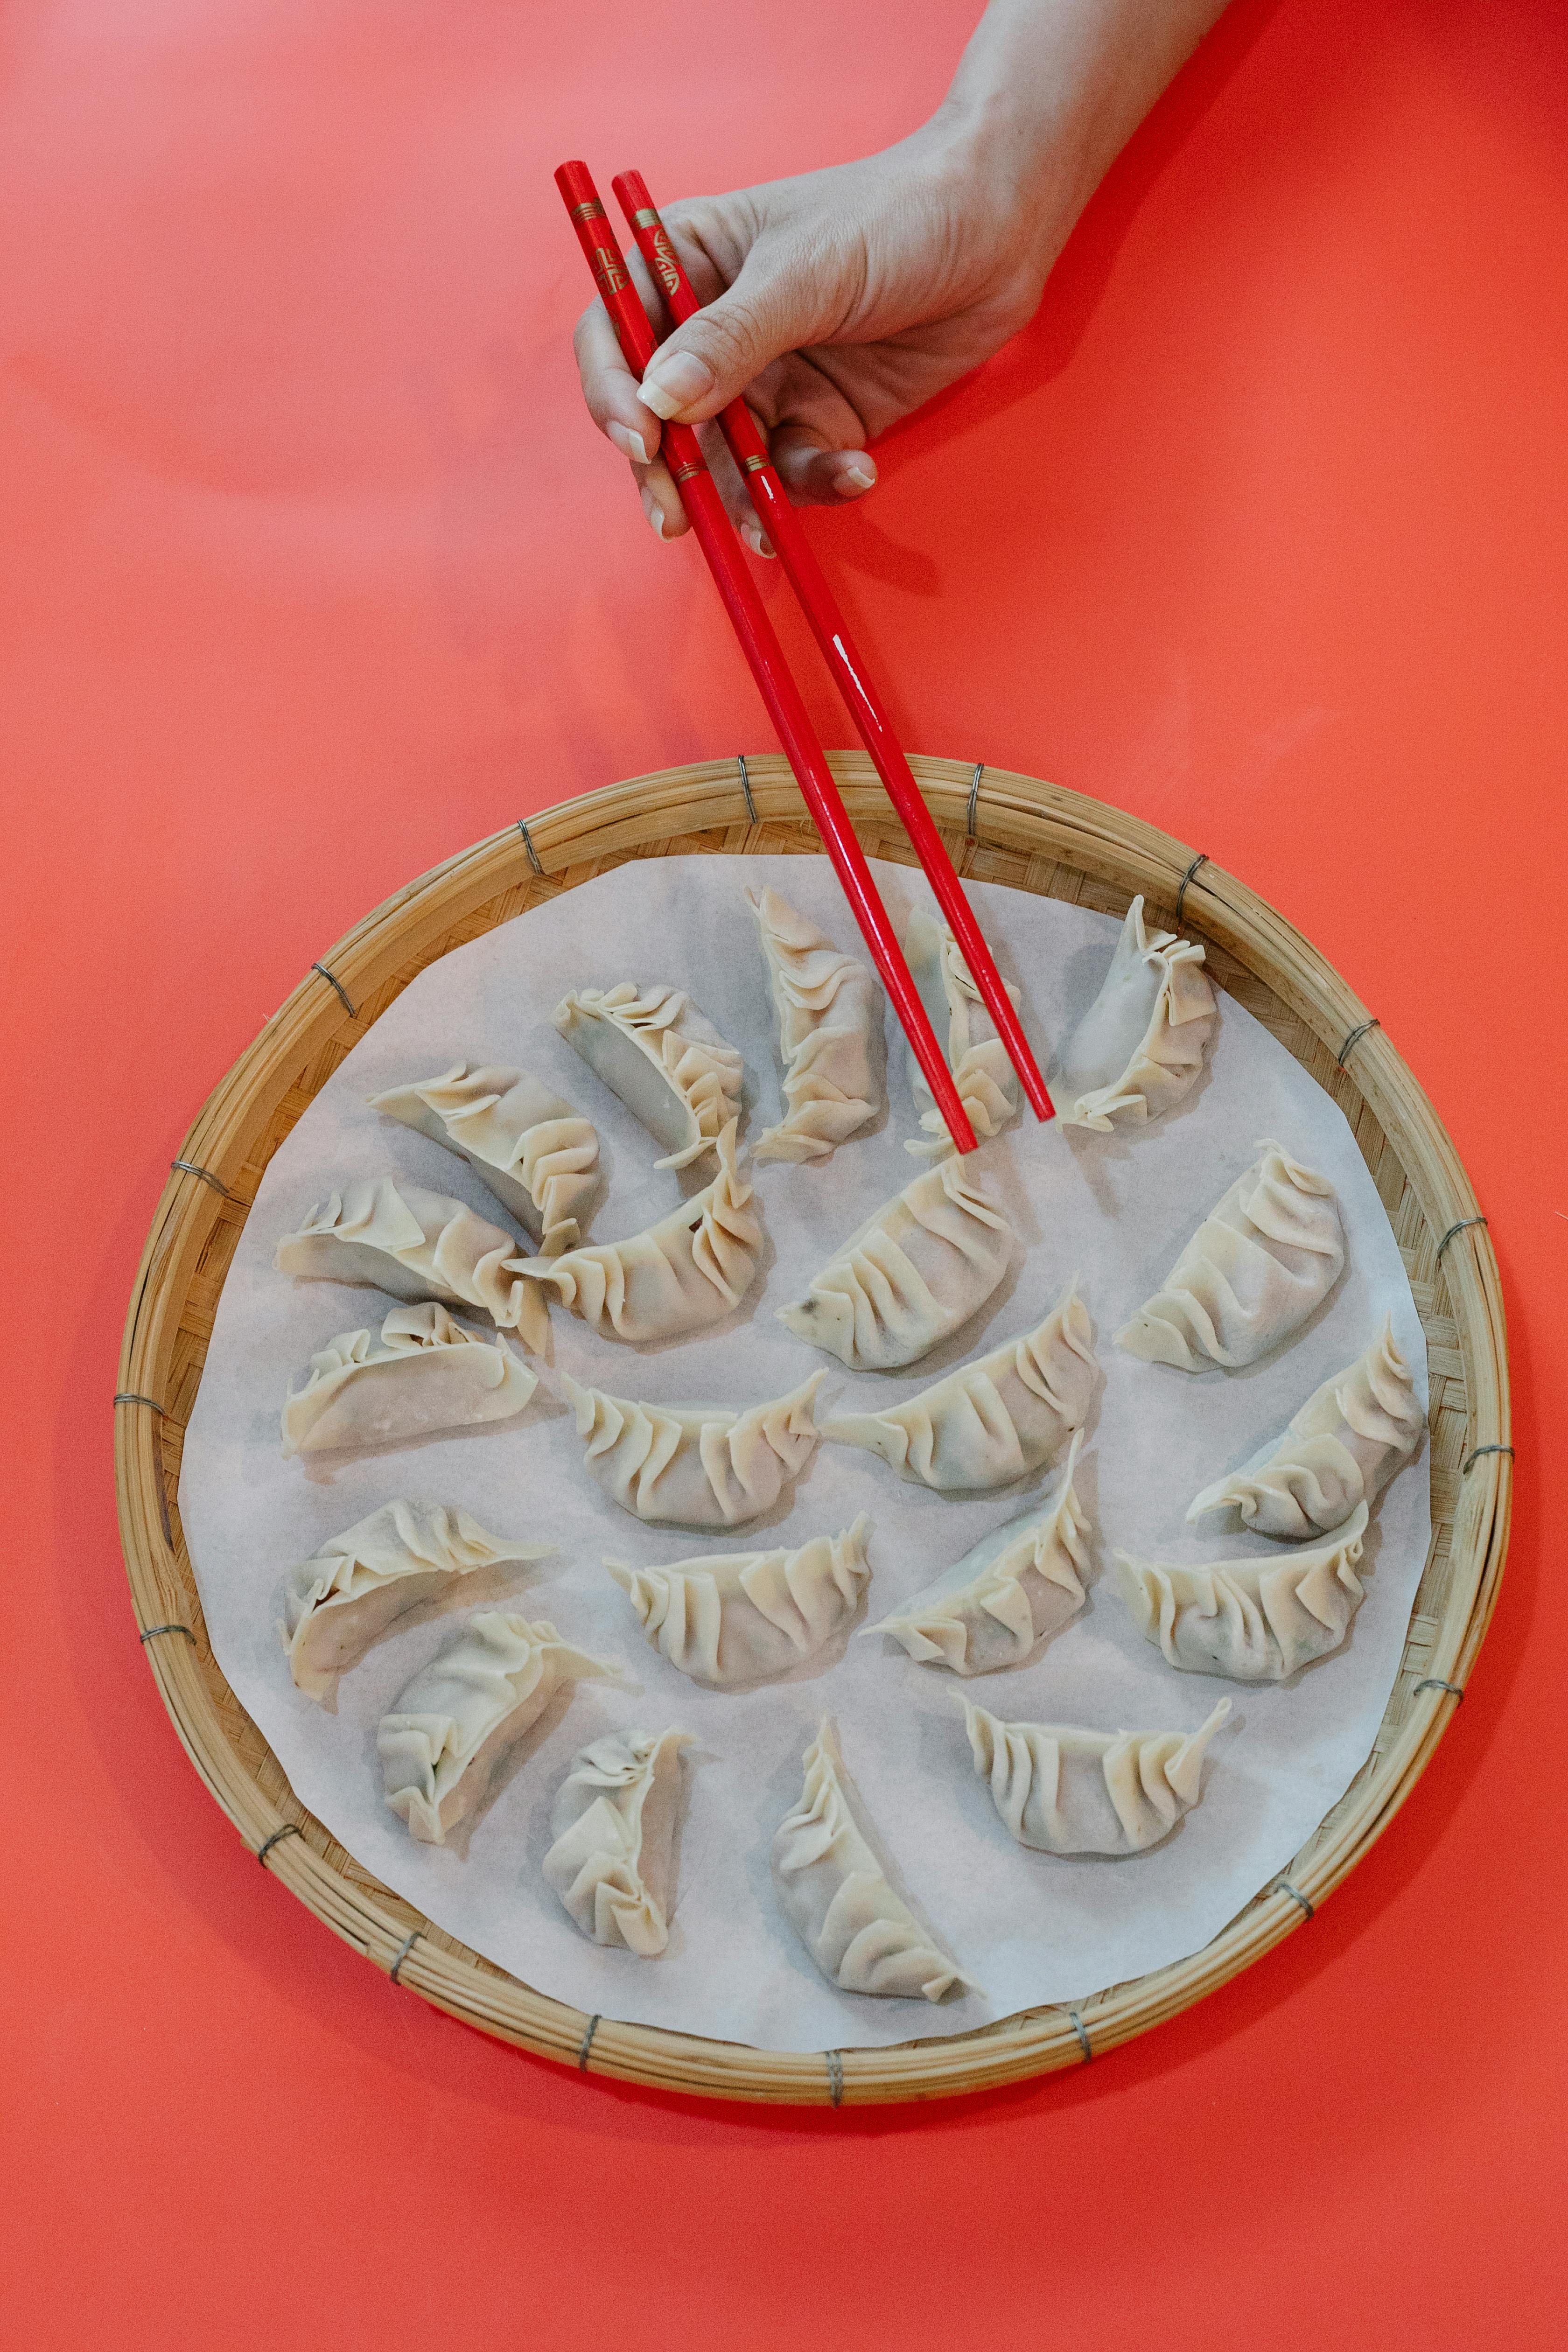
(1462, 1227)
(189, 1168)
(1201, 859)
(402, 1951)
(289, 1829)
(334, 982)
(1355, 1038)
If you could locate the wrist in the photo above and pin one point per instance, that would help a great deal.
(1019, 164)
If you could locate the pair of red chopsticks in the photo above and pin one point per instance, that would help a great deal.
(705, 510)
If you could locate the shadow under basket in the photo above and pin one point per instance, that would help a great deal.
(1001, 828)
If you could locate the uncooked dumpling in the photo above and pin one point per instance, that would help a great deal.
(835, 1894)
(688, 1270)
(695, 1465)
(534, 1152)
(993, 1420)
(352, 1591)
(1254, 1620)
(429, 1373)
(450, 1727)
(1262, 1259)
(826, 1006)
(416, 1245)
(922, 1265)
(1141, 1045)
(739, 1617)
(1017, 1587)
(1065, 1790)
(614, 1827)
(986, 1081)
(670, 1066)
(1342, 1448)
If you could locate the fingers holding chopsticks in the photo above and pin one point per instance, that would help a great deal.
(610, 391)
(817, 440)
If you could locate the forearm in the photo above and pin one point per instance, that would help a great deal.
(1048, 92)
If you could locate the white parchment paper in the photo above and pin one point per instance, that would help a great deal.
(1115, 1209)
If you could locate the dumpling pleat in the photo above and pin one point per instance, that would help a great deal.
(1256, 1621)
(837, 1897)
(1264, 1257)
(1062, 1789)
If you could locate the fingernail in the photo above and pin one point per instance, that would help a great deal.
(757, 540)
(655, 513)
(858, 474)
(674, 383)
(630, 444)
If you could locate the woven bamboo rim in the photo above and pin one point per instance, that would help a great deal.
(1001, 827)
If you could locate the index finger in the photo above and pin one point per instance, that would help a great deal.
(610, 389)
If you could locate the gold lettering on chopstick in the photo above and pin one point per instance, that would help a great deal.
(666, 269)
(609, 271)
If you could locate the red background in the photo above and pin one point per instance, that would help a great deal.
(315, 572)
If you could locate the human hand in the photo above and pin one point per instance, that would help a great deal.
(839, 301)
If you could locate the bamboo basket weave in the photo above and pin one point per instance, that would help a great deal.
(1001, 828)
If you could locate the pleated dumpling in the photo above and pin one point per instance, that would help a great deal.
(1065, 1790)
(612, 1862)
(1141, 1045)
(986, 1081)
(688, 1270)
(528, 1146)
(1342, 1448)
(670, 1066)
(742, 1617)
(1265, 1256)
(416, 1245)
(835, 1894)
(993, 1420)
(1254, 1620)
(695, 1465)
(921, 1266)
(450, 1728)
(827, 1007)
(429, 1373)
(356, 1587)
(1017, 1587)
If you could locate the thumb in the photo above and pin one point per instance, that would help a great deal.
(710, 360)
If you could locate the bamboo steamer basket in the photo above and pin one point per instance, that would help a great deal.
(1002, 828)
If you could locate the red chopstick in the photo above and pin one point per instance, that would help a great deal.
(843, 656)
(700, 495)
